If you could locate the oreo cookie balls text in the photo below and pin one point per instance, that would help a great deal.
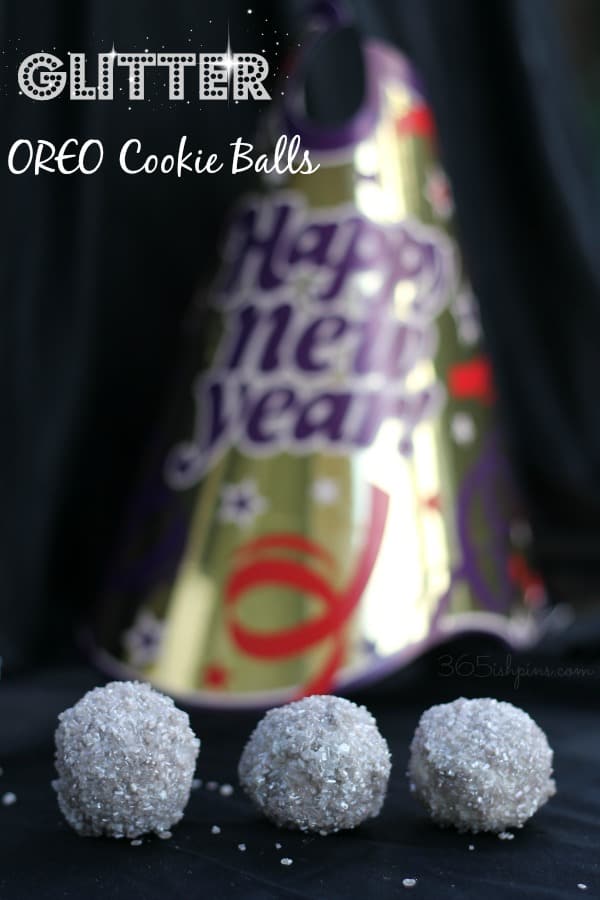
(72, 158)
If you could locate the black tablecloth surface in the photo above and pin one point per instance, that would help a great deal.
(42, 858)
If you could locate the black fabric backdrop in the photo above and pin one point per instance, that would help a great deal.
(95, 274)
(41, 858)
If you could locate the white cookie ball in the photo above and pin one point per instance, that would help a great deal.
(318, 764)
(125, 757)
(480, 765)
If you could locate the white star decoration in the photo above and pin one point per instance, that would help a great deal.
(466, 315)
(241, 503)
(325, 491)
(463, 428)
(143, 640)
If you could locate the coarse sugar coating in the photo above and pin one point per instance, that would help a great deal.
(318, 764)
(125, 757)
(480, 765)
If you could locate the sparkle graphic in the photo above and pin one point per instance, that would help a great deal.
(153, 93)
(230, 63)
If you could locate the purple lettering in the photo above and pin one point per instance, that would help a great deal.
(320, 334)
(270, 407)
(257, 232)
(313, 244)
(280, 318)
(324, 414)
(215, 423)
(245, 326)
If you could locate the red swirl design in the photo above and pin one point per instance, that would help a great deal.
(337, 606)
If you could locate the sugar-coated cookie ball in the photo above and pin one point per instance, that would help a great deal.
(480, 765)
(125, 757)
(318, 764)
